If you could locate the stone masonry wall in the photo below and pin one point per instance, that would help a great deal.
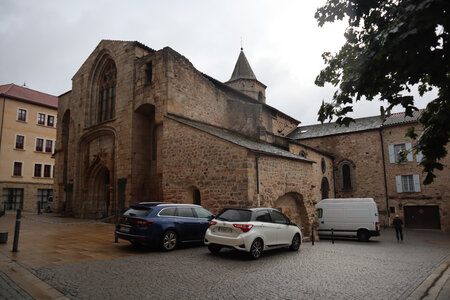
(317, 174)
(192, 96)
(217, 168)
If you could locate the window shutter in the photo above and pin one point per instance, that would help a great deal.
(391, 154)
(416, 180)
(409, 149)
(419, 156)
(398, 181)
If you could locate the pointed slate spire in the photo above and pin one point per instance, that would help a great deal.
(242, 69)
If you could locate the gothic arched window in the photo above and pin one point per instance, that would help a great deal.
(107, 92)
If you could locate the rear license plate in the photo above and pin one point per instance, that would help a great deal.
(124, 228)
(224, 229)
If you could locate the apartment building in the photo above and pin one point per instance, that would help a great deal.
(27, 144)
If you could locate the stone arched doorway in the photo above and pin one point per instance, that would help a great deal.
(293, 206)
(99, 198)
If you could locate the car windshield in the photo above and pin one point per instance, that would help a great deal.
(235, 215)
(138, 211)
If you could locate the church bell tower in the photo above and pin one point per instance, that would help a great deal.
(244, 80)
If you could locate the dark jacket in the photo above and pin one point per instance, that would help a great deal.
(397, 223)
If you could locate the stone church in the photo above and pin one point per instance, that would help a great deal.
(145, 125)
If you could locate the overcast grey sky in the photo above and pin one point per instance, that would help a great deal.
(44, 42)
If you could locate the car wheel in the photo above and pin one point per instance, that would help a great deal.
(214, 248)
(256, 249)
(169, 240)
(295, 243)
(363, 235)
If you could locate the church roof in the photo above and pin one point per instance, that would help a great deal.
(362, 124)
(242, 69)
(239, 139)
(24, 94)
(326, 129)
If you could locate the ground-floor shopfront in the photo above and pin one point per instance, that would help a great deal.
(30, 197)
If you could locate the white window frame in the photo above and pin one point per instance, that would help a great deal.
(44, 149)
(54, 121)
(37, 118)
(15, 141)
(42, 169)
(43, 145)
(21, 169)
(26, 115)
(394, 157)
(399, 179)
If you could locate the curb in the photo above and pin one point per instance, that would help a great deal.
(436, 286)
(27, 281)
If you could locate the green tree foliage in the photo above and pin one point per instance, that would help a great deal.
(392, 45)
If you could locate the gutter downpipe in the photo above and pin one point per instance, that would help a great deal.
(3, 116)
(257, 177)
(384, 173)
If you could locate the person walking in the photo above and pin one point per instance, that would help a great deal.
(398, 228)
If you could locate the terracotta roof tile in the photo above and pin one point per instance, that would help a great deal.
(25, 94)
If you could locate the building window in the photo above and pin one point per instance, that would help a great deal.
(12, 199)
(38, 170)
(395, 149)
(47, 171)
(22, 115)
(323, 165)
(148, 73)
(20, 139)
(408, 183)
(303, 153)
(346, 177)
(41, 119)
(39, 144)
(392, 209)
(45, 199)
(48, 146)
(50, 121)
(17, 168)
(325, 188)
(107, 94)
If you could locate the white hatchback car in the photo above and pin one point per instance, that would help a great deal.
(253, 230)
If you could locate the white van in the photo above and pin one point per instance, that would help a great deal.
(349, 217)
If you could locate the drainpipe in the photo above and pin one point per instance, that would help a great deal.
(3, 116)
(334, 177)
(257, 176)
(384, 173)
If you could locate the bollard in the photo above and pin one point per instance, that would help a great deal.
(17, 230)
(332, 235)
(312, 235)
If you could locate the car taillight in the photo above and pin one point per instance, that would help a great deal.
(142, 222)
(376, 225)
(211, 223)
(243, 227)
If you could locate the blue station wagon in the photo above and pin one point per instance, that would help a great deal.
(163, 224)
